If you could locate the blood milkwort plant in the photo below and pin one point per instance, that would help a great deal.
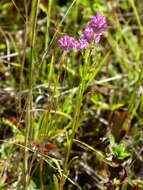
(90, 37)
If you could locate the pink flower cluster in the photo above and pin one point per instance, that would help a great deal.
(92, 33)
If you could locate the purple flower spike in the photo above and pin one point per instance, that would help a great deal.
(81, 44)
(66, 43)
(98, 23)
(88, 34)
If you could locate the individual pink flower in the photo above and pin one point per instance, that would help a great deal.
(88, 34)
(98, 23)
(81, 44)
(66, 43)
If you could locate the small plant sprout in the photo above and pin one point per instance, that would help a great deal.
(119, 151)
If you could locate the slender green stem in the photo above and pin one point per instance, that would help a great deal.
(137, 15)
(48, 23)
(35, 7)
(78, 104)
(41, 173)
(24, 52)
(29, 117)
(44, 63)
(134, 94)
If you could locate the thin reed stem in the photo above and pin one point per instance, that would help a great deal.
(29, 115)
